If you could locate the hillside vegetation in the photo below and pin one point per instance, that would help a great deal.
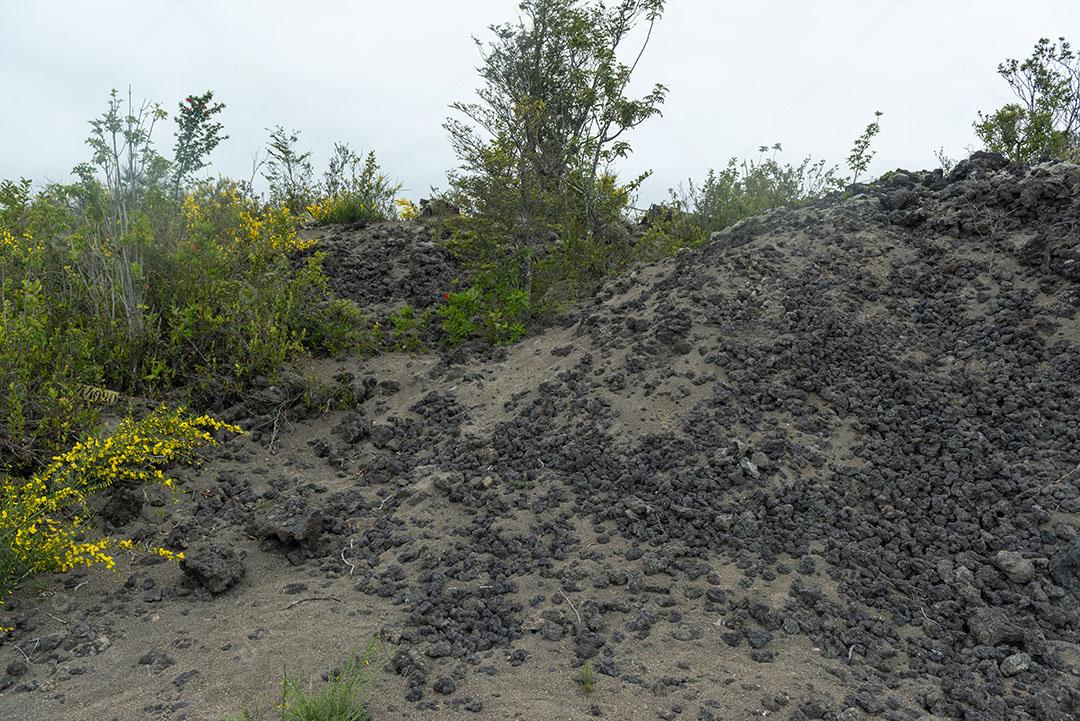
(788, 368)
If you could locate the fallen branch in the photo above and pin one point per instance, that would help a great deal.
(572, 606)
(313, 598)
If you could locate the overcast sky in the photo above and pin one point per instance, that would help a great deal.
(380, 75)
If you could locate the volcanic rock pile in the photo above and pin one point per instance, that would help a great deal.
(825, 467)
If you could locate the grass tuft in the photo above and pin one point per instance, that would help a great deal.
(587, 680)
(339, 698)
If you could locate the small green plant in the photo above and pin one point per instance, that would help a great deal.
(587, 681)
(288, 170)
(493, 311)
(340, 698)
(946, 162)
(407, 328)
(861, 154)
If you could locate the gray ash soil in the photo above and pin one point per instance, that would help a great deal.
(825, 467)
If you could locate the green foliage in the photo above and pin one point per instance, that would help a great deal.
(127, 169)
(552, 114)
(587, 680)
(861, 153)
(407, 328)
(670, 228)
(332, 326)
(354, 190)
(41, 517)
(288, 171)
(750, 187)
(1045, 119)
(197, 134)
(340, 698)
(111, 282)
(488, 309)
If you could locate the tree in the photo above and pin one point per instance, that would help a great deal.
(861, 153)
(197, 134)
(1045, 120)
(288, 171)
(536, 150)
(123, 153)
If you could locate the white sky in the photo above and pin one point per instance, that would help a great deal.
(380, 76)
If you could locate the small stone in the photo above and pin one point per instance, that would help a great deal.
(439, 649)
(684, 633)
(992, 627)
(445, 685)
(758, 639)
(1017, 663)
(551, 631)
(1065, 565)
(214, 568)
(1015, 567)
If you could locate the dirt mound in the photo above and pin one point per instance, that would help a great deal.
(823, 468)
(383, 266)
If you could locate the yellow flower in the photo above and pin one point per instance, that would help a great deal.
(42, 534)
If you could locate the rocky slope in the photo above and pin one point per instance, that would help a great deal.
(824, 468)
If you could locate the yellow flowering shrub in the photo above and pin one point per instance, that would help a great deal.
(407, 209)
(43, 518)
(344, 208)
(202, 293)
(218, 216)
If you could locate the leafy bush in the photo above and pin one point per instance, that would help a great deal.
(1045, 120)
(407, 327)
(671, 227)
(112, 281)
(489, 310)
(355, 192)
(288, 171)
(749, 187)
(553, 114)
(42, 518)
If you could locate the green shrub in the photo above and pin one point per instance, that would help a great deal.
(1045, 119)
(354, 191)
(750, 187)
(41, 518)
(490, 310)
(118, 283)
(407, 326)
(288, 171)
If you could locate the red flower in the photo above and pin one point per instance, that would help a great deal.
(446, 296)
